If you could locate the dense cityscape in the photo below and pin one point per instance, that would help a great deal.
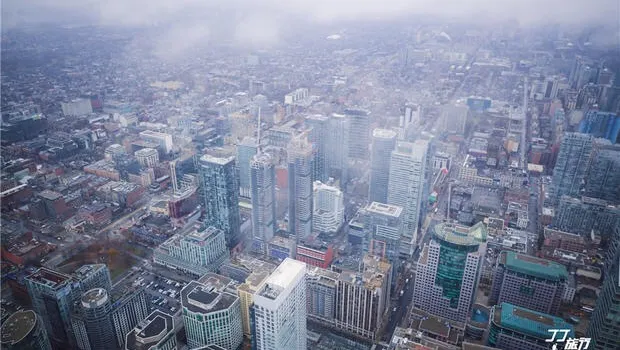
(426, 183)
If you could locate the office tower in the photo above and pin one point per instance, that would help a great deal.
(94, 276)
(321, 287)
(163, 140)
(603, 329)
(601, 125)
(318, 136)
(52, 294)
(155, 332)
(454, 118)
(362, 298)
(280, 308)
(603, 179)
(263, 187)
(513, 327)
(585, 215)
(251, 272)
(406, 184)
(380, 229)
(92, 324)
(529, 282)
(24, 330)
(328, 208)
(411, 116)
(300, 188)
(359, 132)
(449, 269)
(383, 143)
(571, 165)
(197, 250)
(246, 150)
(129, 309)
(211, 313)
(220, 188)
(338, 145)
(147, 157)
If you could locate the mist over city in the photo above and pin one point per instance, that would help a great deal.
(350, 175)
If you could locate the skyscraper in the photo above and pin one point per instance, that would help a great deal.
(246, 150)
(584, 215)
(362, 298)
(359, 132)
(406, 182)
(603, 180)
(328, 208)
(94, 276)
(338, 145)
(601, 124)
(155, 332)
(318, 136)
(449, 269)
(211, 313)
(52, 294)
(321, 286)
(603, 329)
(381, 228)
(92, 324)
(24, 330)
(130, 308)
(197, 250)
(454, 118)
(263, 187)
(300, 187)
(571, 166)
(280, 308)
(218, 177)
(513, 327)
(383, 143)
(529, 282)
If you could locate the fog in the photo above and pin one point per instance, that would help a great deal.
(149, 12)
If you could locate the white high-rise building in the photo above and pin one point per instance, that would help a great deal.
(162, 139)
(405, 188)
(246, 150)
(328, 208)
(280, 308)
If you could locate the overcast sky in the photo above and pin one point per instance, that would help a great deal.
(144, 12)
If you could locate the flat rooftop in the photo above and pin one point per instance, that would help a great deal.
(281, 278)
(533, 266)
(49, 277)
(384, 133)
(207, 158)
(199, 298)
(18, 326)
(525, 321)
(385, 209)
(150, 331)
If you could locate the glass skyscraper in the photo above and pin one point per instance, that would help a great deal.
(383, 143)
(220, 191)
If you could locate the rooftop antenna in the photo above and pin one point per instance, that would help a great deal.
(258, 133)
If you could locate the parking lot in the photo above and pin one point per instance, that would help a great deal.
(164, 293)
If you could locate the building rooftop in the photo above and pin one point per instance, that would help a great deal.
(322, 276)
(50, 195)
(461, 235)
(533, 266)
(18, 326)
(207, 158)
(385, 209)
(150, 331)
(49, 278)
(281, 278)
(384, 133)
(94, 298)
(529, 322)
(199, 298)
(87, 270)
